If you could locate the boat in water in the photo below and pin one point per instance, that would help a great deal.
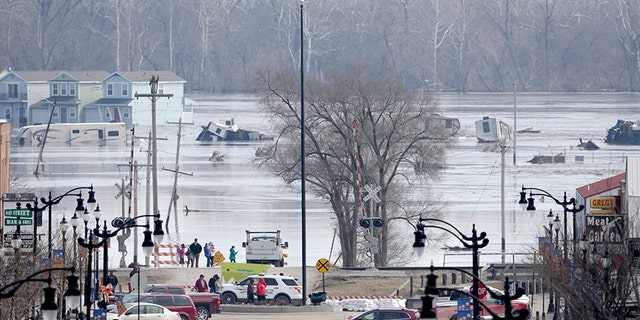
(624, 133)
(98, 133)
(492, 130)
(227, 130)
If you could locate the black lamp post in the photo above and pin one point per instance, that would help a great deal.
(528, 204)
(64, 225)
(432, 289)
(50, 202)
(75, 221)
(121, 224)
(472, 243)
(147, 245)
(49, 307)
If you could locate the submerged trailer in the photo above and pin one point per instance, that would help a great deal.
(98, 133)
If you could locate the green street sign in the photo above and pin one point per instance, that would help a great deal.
(17, 222)
(22, 213)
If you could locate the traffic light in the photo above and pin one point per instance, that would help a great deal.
(369, 223)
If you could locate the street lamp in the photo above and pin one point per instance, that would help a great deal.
(474, 244)
(49, 307)
(528, 204)
(147, 245)
(432, 289)
(75, 221)
(50, 202)
(123, 223)
(584, 246)
(63, 228)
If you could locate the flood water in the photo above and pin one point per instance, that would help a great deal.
(231, 196)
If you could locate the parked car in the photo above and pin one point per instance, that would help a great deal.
(146, 311)
(206, 303)
(281, 290)
(448, 310)
(179, 303)
(383, 314)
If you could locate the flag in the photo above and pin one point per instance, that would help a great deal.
(58, 258)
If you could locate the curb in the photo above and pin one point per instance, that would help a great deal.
(242, 308)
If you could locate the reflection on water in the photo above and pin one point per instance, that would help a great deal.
(226, 198)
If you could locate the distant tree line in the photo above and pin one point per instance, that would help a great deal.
(450, 45)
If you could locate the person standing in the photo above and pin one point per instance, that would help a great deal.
(112, 279)
(232, 254)
(181, 253)
(201, 284)
(250, 291)
(261, 291)
(212, 249)
(212, 283)
(207, 254)
(195, 249)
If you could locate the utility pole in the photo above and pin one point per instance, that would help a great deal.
(154, 95)
(174, 191)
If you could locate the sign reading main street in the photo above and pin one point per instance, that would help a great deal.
(18, 217)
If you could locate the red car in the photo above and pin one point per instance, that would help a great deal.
(449, 310)
(380, 314)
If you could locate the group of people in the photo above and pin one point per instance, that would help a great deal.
(215, 285)
(259, 290)
(192, 253)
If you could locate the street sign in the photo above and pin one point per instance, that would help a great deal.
(23, 213)
(218, 257)
(482, 291)
(17, 222)
(323, 265)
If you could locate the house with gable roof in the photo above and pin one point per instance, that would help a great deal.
(63, 92)
(168, 110)
(13, 98)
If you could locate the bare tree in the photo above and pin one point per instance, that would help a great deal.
(394, 131)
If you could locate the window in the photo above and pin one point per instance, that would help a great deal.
(163, 300)
(72, 113)
(72, 89)
(154, 310)
(125, 89)
(486, 127)
(182, 301)
(63, 89)
(171, 290)
(271, 281)
(75, 131)
(110, 89)
(54, 89)
(12, 90)
(7, 113)
(160, 88)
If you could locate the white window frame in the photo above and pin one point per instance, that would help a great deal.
(72, 112)
(63, 89)
(125, 89)
(7, 113)
(54, 89)
(109, 89)
(72, 89)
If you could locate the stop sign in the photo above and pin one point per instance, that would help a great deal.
(482, 290)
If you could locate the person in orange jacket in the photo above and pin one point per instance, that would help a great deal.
(261, 290)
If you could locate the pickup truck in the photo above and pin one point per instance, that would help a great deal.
(206, 303)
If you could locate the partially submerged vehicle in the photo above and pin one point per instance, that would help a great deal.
(227, 130)
(95, 133)
(624, 133)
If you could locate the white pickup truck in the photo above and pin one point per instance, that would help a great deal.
(265, 247)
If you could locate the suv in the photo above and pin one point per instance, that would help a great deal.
(179, 303)
(281, 290)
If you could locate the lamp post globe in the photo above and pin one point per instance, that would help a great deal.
(49, 307)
